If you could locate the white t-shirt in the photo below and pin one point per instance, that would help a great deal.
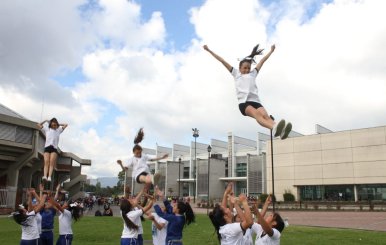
(52, 135)
(133, 216)
(159, 236)
(231, 234)
(266, 239)
(65, 222)
(139, 165)
(30, 231)
(246, 88)
(247, 238)
(138, 222)
(39, 222)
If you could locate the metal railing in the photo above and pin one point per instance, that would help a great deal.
(7, 197)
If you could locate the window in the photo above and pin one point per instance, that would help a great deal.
(241, 169)
(186, 173)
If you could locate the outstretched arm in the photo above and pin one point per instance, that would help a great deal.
(266, 205)
(159, 158)
(265, 58)
(227, 191)
(266, 227)
(120, 164)
(217, 57)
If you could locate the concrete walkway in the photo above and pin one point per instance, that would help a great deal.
(354, 220)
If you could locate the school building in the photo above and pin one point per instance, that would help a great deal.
(21, 161)
(348, 165)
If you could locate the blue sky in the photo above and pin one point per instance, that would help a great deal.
(115, 66)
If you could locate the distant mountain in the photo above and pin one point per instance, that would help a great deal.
(105, 181)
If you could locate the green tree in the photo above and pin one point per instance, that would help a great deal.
(121, 179)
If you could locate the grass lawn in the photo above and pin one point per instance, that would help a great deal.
(107, 230)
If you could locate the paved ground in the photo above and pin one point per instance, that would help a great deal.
(354, 220)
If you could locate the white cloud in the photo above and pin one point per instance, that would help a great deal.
(328, 69)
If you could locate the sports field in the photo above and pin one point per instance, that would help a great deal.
(107, 230)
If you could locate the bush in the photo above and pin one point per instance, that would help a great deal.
(263, 197)
(288, 196)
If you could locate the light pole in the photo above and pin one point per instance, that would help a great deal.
(196, 133)
(273, 175)
(179, 177)
(209, 150)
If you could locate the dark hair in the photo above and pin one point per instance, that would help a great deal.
(217, 218)
(245, 61)
(53, 120)
(125, 208)
(76, 212)
(138, 139)
(185, 209)
(250, 58)
(20, 217)
(279, 222)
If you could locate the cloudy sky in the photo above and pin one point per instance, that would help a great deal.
(108, 67)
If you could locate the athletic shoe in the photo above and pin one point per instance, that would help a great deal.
(278, 128)
(49, 179)
(44, 178)
(286, 131)
(156, 178)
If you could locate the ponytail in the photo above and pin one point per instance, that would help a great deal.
(138, 139)
(250, 58)
(125, 208)
(185, 209)
(217, 218)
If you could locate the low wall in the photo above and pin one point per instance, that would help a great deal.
(331, 206)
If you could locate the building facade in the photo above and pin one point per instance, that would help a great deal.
(348, 165)
(21, 160)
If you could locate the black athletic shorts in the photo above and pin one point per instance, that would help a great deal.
(50, 149)
(139, 175)
(243, 106)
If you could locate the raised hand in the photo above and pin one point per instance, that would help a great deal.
(273, 47)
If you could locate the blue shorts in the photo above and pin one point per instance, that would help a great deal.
(129, 241)
(64, 240)
(47, 238)
(29, 242)
(140, 239)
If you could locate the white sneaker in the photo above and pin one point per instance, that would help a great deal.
(286, 131)
(49, 179)
(155, 178)
(44, 178)
(277, 130)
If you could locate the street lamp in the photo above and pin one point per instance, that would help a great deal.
(196, 133)
(209, 150)
(179, 177)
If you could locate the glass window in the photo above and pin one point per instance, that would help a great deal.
(371, 192)
(186, 173)
(241, 169)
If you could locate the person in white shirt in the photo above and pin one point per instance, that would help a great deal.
(268, 230)
(27, 219)
(158, 228)
(131, 218)
(52, 130)
(229, 233)
(141, 171)
(247, 92)
(67, 213)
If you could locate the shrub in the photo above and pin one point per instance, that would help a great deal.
(288, 196)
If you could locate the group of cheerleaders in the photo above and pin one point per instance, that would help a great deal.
(232, 219)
